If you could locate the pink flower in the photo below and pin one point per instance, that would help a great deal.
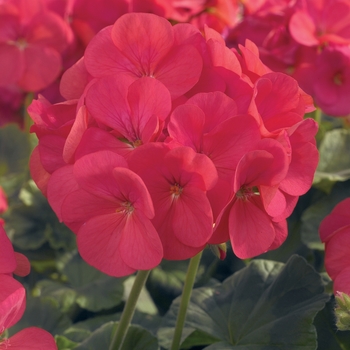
(140, 45)
(335, 233)
(321, 22)
(331, 80)
(13, 301)
(32, 39)
(110, 211)
(178, 180)
(247, 220)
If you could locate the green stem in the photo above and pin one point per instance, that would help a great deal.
(318, 115)
(129, 310)
(185, 299)
(27, 121)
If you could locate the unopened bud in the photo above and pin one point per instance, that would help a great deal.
(219, 250)
(342, 311)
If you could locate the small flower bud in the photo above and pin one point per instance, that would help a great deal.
(342, 311)
(219, 250)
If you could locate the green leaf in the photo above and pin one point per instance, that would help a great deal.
(64, 343)
(136, 338)
(42, 313)
(64, 296)
(266, 305)
(95, 290)
(31, 223)
(333, 165)
(329, 338)
(14, 155)
(313, 215)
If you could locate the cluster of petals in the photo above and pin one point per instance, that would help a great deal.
(32, 39)
(335, 234)
(169, 141)
(40, 39)
(306, 39)
(13, 301)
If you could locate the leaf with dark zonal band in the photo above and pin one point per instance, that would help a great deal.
(266, 305)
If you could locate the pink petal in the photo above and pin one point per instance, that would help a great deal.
(337, 252)
(74, 80)
(147, 97)
(226, 144)
(266, 166)
(48, 29)
(32, 338)
(140, 246)
(42, 67)
(99, 244)
(192, 220)
(216, 106)
(143, 38)
(23, 265)
(133, 189)
(39, 174)
(251, 229)
(7, 254)
(180, 70)
(186, 126)
(281, 231)
(342, 281)
(79, 126)
(94, 173)
(50, 151)
(61, 183)
(106, 100)
(303, 29)
(12, 301)
(80, 206)
(95, 139)
(12, 64)
(103, 58)
(338, 218)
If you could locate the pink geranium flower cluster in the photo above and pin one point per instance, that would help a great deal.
(41, 38)
(307, 39)
(169, 141)
(13, 302)
(335, 233)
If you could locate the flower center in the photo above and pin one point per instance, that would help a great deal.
(244, 193)
(176, 190)
(125, 208)
(338, 79)
(4, 343)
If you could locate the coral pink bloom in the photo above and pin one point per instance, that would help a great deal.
(337, 252)
(245, 220)
(177, 180)
(208, 123)
(12, 301)
(52, 124)
(342, 281)
(335, 233)
(321, 22)
(141, 44)
(31, 338)
(31, 42)
(111, 212)
(3, 201)
(278, 102)
(134, 111)
(331, 80)
(10, 261)
(338, 218)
